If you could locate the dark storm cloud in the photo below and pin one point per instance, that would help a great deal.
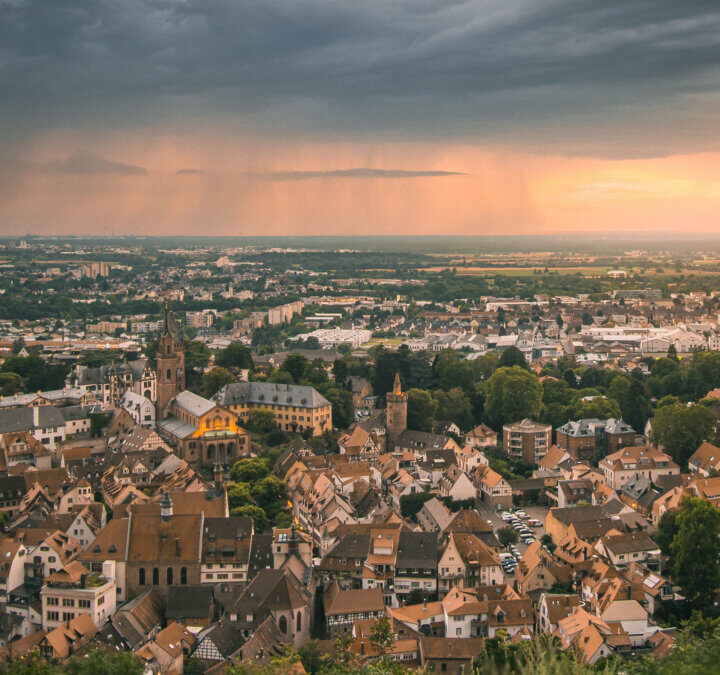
(351, 173)
(84, 162)
(403, 68)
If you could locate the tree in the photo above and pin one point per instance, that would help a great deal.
(695, 551)
(343, 406)
(422, 408)
(411, 504)
(455, 406)
(238, 495)
(270, 495)
(667, 400)
(667, 531)
(638, 409)
(197, 356)
(340, 371)
(381, 636)
(260, 519)
(294, 364)
(672, 353)
(98, 662)
(10, 383)
(599, 407)
(512, 356)
(249, 470)
(507, 536)
(261, 421)
(100, 357)
(415, 597)
(312, 657)
(512, 394)
(97, 423)
(681, 430)
(235, 355)
(215, 379)
(547, 541)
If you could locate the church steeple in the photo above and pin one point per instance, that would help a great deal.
(397, 387)
(396, 413)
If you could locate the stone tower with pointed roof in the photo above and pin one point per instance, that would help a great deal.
(170, 359)
(396, 413)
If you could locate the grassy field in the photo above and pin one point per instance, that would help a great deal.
(385, 341)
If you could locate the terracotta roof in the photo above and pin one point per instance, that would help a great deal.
(338, 601)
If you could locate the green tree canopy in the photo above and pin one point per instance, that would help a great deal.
(512, 394)
(215, 379)
(422, 410)
(695, 551)
(681, 429)
(235, 355)
(249, 470)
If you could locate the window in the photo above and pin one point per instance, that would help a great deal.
(101, 600)
(141, 576)
(84, 603)
(169, 575)
(53, 616)
(53, 601)
(298, 622)
(67, 616)
(156, 576)
(183, 575)
(68, 602)
(282, 624)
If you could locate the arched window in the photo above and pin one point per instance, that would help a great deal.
(169, 576)
(141, 576)
(156, 576)
(183, 575)
(298, 623)
(282, 624)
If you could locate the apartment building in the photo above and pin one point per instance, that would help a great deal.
(527, 440)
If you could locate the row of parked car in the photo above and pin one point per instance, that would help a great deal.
(522, 528)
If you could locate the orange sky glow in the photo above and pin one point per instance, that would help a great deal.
(502, 191)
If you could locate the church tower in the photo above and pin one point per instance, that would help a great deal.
(170, 357)
(396, 412)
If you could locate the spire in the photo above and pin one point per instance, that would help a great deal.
(166, 507)
(217, 468)
(397, 387)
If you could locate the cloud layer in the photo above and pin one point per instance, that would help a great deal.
(351, 173)
(533, 68)
(84, 162)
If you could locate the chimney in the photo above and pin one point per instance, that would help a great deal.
(36, 416)
(166, 508)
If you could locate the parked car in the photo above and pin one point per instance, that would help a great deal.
(534, 523)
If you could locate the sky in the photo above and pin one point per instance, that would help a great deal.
(293, 117)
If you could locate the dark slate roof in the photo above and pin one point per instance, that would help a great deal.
(80, 412)
(21, 419)
(422, 440)
(189, 601)
(12, 487)
(417, 550)
(261, 555)
(225, 636)
(352, 545)
(264, 393)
